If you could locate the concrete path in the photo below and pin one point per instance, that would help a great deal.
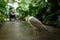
(20, 30)
(16, 30)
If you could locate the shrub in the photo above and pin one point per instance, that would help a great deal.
(2, 17)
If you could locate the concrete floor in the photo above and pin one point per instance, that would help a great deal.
(20, 30)
(16, 30)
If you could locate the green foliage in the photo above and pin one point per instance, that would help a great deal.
(2, 6)
(23, 5)
(2, 11)
(22, 14)
(23, 9)
(27, 8)
(32, 10)
(47, 12)
(2, 17)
